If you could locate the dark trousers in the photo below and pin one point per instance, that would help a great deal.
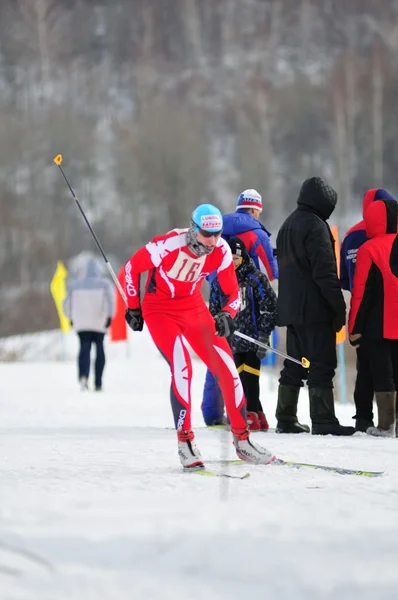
(364, 389)
(86, 339)
(383, 361)
(317, 342)
(248, 365)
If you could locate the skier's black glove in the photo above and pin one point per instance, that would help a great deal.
(262, 352)
(108, 322)
(224, 324)
(71, 323)
(134, 318)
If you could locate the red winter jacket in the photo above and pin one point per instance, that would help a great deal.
(374, 300)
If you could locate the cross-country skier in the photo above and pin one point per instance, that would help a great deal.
(175, 313)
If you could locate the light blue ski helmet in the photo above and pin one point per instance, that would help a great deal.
(207, 218)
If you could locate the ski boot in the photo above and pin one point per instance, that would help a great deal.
(253, 421)
(188, 452)
(263, 421)
(250, 451)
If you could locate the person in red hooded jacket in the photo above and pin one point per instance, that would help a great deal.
(373, 318)
(352, 241)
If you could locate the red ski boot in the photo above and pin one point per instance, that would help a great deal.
(263, 421)
(253, 421)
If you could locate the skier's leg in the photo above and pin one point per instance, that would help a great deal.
(216, 354)
(166, 334)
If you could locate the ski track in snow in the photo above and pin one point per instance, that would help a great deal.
(93, 503)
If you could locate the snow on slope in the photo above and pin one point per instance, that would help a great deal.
(93, 504)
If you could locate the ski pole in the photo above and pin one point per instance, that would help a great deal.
(304, 362)
(58, 161)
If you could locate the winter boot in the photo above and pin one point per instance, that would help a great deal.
(83, 384)
(248, 450)
(324, 421)
(253, 421)
(188, 452)
(362, 424)
(286, 411)
(386, 408)
(263, 421)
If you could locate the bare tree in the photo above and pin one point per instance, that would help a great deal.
(377, 114)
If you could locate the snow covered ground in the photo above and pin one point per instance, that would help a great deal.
(93, 504)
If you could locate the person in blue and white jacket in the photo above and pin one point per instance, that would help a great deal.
(244, 224)
(352, 241)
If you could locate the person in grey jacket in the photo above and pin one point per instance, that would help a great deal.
(89, 305)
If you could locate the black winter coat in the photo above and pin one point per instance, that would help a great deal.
(256, 315)
(309, 289)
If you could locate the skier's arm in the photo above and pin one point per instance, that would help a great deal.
(147, 258)
(140, 262)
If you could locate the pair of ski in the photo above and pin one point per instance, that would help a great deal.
(285, 463)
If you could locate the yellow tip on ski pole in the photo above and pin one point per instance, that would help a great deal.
(305, 362)
(58, 159)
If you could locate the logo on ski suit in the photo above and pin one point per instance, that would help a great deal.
(181, 419)
(129, 282)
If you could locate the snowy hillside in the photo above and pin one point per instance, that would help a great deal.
(93, 503)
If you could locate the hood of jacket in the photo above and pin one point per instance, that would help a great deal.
(318, 196)
(381, 217)
(91, 269)
(373, 195)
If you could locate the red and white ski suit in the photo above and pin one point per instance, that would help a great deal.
(175, 313)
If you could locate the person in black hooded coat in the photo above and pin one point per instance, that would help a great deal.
(311, 306)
